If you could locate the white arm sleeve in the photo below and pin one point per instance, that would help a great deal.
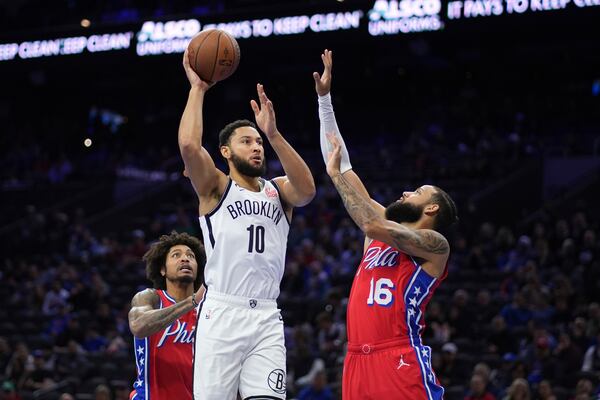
(328, 125)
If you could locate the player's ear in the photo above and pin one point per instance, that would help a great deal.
(163, 270)
(431, 209)
(225, 151)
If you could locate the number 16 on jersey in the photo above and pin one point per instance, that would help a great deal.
(381, 292)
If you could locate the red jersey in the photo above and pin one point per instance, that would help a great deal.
(385, 319)
(164, 360)
(388, 298)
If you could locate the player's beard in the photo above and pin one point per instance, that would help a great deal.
(403, 212)
(245, 168)
(181, 279)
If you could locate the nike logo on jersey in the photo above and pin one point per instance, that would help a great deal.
(254, 207)
(375, 257)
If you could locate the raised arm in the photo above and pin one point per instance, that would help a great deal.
(328, 125)
(145, 318)
(422, 243)
(199, 166)
(297, 186)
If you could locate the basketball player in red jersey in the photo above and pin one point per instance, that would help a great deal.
(163, 319)
(405, 259)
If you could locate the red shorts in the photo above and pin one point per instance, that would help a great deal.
(391, 370)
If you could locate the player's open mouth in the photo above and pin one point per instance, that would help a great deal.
(186, 268)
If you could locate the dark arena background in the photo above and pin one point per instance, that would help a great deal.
(496, 101)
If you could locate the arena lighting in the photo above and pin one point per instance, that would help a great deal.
(384, 17)
(87, 142)
(490, 8)
(85, 23)
(167, 37)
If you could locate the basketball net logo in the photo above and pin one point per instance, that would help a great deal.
(276, 381)
(402, 363)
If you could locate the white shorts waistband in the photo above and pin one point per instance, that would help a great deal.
(240, 301)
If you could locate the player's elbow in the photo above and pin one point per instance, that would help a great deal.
(188, 147)
(375, 229)
(137, 329)
(304, 194)
(310, 192)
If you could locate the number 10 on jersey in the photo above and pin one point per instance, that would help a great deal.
(256, 240)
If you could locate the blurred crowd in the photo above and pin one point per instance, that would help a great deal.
(534, 290)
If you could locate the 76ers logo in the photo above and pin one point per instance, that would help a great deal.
(374, 257)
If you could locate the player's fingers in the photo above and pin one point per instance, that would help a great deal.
(316, 77)
(262, 96)
(186, 59)
(255, 107)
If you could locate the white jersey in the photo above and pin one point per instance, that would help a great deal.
(245, 238)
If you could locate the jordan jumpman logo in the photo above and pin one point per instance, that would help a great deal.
(402, 363)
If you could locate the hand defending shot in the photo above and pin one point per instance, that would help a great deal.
(265, 113)
(192, 76)
(335, 156)
(323, 82)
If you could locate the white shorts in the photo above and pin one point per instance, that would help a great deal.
(239, 345)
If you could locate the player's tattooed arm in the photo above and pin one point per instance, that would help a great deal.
(146, 319)
(423, 243)
(358, 206)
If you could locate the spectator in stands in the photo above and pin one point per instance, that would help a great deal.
(460, 317)
(484, 370)
(102, 392)
(318, 390)
(9, 391)
(330, 336)
(500, 340)
(591, 359)
(20, 364)
(451, 370)
(544, 391)
(584, 389)
(518, 390)
(568, 359)
(517, 313)
(40, 377)
(55, 300)
(478, 389)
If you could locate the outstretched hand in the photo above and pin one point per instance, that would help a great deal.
(195, 80)
(323, 82)
(265, 113)
(335, 155)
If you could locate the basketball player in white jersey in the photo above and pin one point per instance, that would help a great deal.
(245, 220)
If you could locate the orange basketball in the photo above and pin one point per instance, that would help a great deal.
(214, 55)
